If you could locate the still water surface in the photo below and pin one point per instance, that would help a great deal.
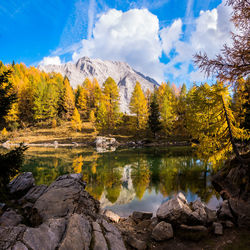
(128, 180)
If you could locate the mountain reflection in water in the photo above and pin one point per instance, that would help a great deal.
(128, 180)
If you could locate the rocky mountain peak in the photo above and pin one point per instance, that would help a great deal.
(123, 74)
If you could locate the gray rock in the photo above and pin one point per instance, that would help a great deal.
(174, 211)
(78, 234)
(108, 227)
(199, 212)
(113, 236)
(194, 233)
(99, 241)
(96, 227)
(19, 246)
(162, 231)
(137, 216)
(9, 235)
(224, 212)
(218, 228)
(10, 218)
(22, 183)
(65, 196)
(115, 242)
(211, 215)
(34, 193)
(112, 216)
(182, 197)
(137, 244)
(46, 236)
(241, 209)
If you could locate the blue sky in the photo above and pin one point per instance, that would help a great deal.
(157, 37)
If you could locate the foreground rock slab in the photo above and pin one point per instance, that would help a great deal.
(21, 183)
(62, 216)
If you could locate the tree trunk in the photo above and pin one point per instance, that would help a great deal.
(235, 149)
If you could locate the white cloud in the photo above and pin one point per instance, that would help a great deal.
(135, 37)
(131, 36)
(212, 30)
(91, 16)
(51, 60)
(170, 35)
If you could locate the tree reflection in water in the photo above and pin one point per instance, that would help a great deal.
(126, 175)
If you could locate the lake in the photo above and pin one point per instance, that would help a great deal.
(129, 179)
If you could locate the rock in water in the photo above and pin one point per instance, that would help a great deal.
(121, 72)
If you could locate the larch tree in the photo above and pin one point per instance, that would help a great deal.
(7, 95)
(138, 106)
(101, 116)
(68, 99)
(76, 122)
(111, 99)
(154, 115)
(234, 60)
(167, 100)
(81, 101)
(212, 122)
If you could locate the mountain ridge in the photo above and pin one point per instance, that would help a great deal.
(123, 74)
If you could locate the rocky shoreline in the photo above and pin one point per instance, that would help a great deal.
(64, 216)
(101, 144)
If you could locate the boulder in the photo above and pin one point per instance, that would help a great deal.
(21, 184)
(9, 235)
(162, 231)
(211, 215)
(175, 210)
(113, 236)
(218, 228)
(136, 244)
(34, 193)
(138, 216)
(10, 218)
(46, 236)
(103, 143)
(194, 233)
(112, 216)
(99, 242)
(65, 196)
(241, 210)
(19, 246)
(78, 234)
(199, 212)
(224, 212)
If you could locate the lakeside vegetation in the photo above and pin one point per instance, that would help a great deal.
(46, 101)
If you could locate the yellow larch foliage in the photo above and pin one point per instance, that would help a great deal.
(76, 122)
(139, 107)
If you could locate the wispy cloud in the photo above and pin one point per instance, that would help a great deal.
(91, 17)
